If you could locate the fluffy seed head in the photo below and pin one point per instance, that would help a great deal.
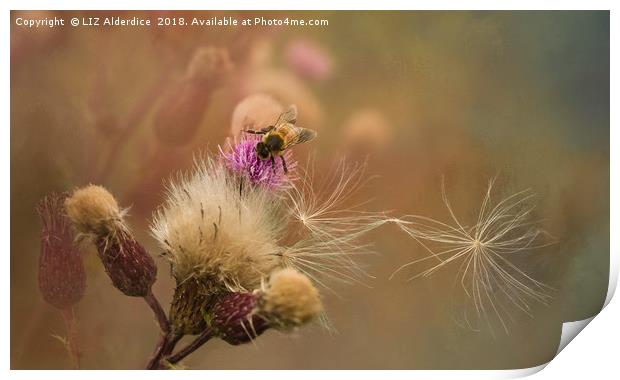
(218, 227)
(93, 210)
(290, 299)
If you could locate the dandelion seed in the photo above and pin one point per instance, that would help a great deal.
(331, 230)
(486, 275)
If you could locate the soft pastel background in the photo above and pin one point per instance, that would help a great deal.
(424, 94)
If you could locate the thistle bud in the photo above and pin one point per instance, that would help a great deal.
(183, 107)
(255, 112)
(209, 63)
(309, 59)
(62, 279)
(94, 211)
(289, 301)
(235, 319)
(131, 269)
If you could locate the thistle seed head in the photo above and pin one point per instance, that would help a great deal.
(290, 299)
(94, 211)
(217, 228)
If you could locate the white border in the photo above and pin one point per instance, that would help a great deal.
(598, 344)
(313, 5)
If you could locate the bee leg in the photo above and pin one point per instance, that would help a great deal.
(254, 132)
(284, 165)
(273, 164)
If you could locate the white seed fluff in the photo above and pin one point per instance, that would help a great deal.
(215, 226)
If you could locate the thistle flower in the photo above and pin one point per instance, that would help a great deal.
(226, 233)
(486, 274)
(241, 159)
(218, 232)
(289, 301)
(62, 279)
(95, 212)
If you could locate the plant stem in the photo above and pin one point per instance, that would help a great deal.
(72, 336)
(164, 348)
(193, 346)
(159, 312)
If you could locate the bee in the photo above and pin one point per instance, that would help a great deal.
(279, 137)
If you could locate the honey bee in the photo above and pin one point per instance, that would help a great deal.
(279, 137)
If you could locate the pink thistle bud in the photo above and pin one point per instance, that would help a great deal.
(255, 112)
(234, 318)
(131, 269)
(309, 60)
(62, 279)
(241, 159)
(181, 110)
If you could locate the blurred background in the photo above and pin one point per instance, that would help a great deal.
(465, 95)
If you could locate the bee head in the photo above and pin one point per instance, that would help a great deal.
(262, 151)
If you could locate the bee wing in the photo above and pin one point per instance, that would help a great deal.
(300, 135)
(289, 116)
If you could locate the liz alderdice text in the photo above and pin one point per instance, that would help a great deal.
(167, 21)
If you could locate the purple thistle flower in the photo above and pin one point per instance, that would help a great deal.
(241, 158)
